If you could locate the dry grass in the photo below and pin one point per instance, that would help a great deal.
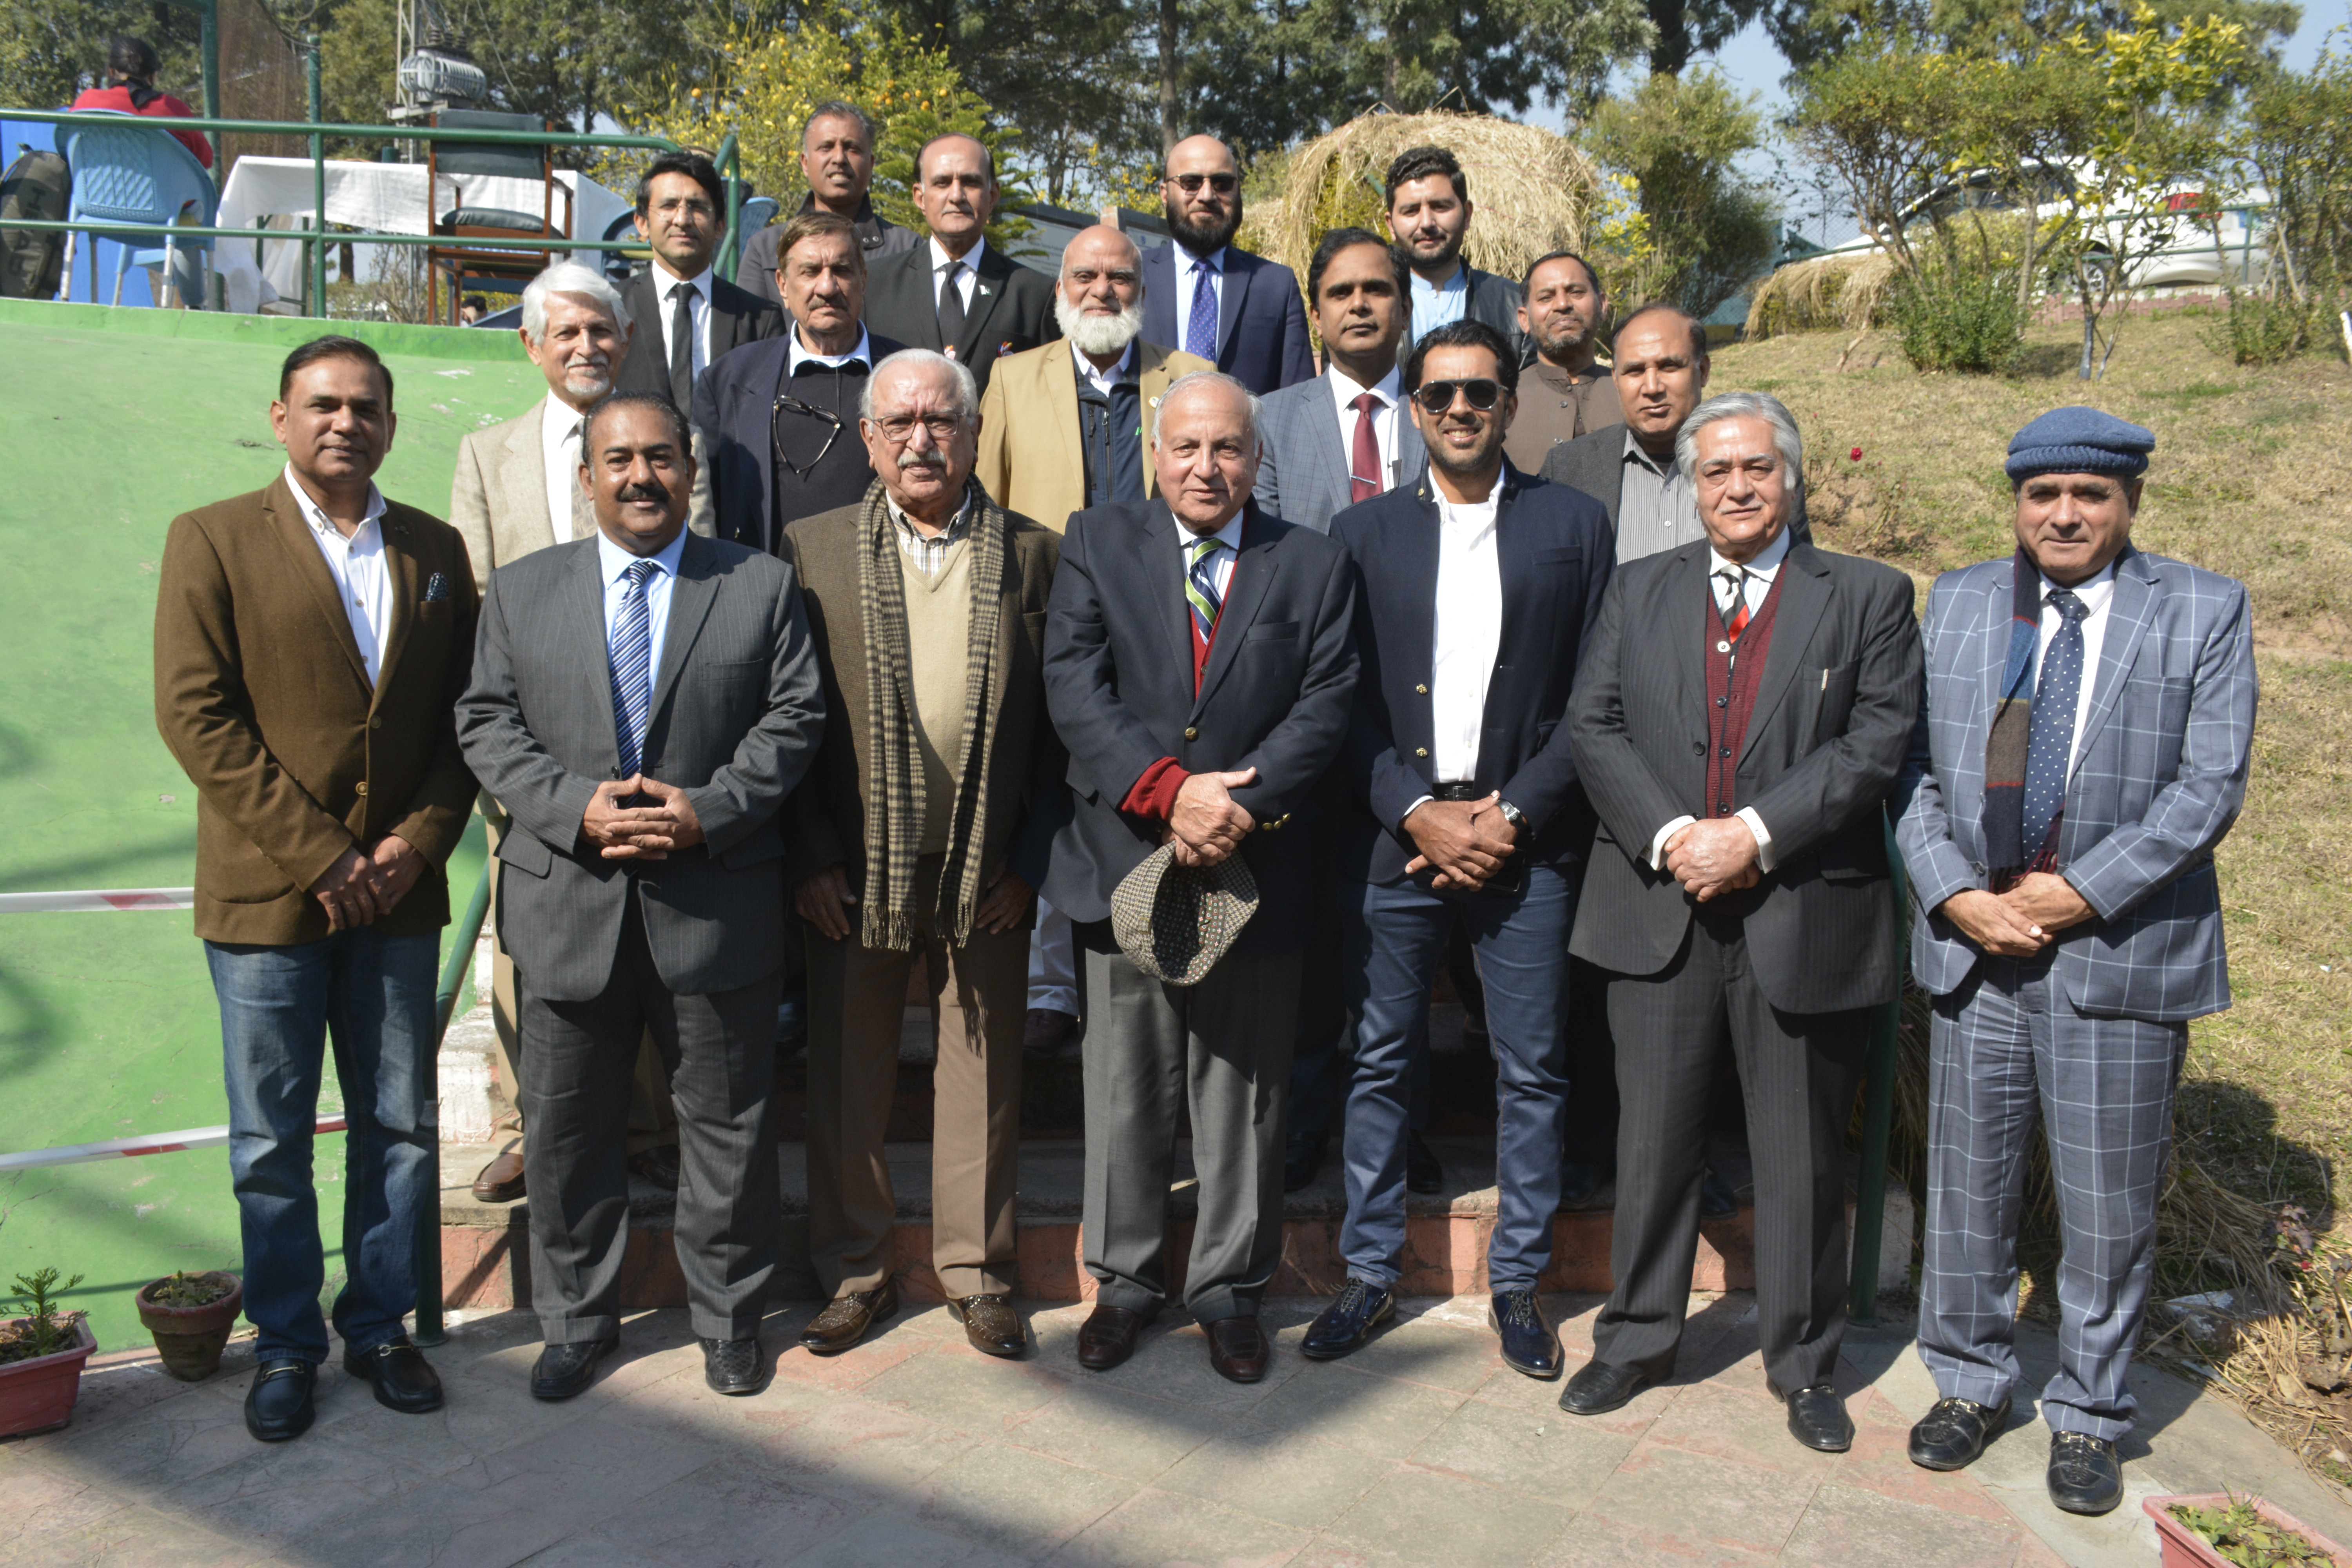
(2251, 470)
(1819, 293)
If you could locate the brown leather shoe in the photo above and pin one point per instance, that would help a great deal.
(846, 1319)
(500, 1181)
(1046, 1031)
(991, 1324)
(1108, 1337)
(657, 1165)
(1238, 1349)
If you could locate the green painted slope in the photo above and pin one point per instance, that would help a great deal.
(115, 421)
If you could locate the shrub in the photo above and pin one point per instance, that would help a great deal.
(1959, 317)
(2259, 330)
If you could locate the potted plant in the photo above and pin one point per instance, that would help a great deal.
(41, 1355)
(2217, 1529)
(191, 1316)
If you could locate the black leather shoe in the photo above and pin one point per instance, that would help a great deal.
(1422, 1174)
(278, 1405)
(1817, 1418)
(568, 1369)
(1349, 1321)
(1953, 1435)
(734, 1366)
(1716, 1199)
(2084, 1477)
(1302, 1156)
(1598, 1388)
(1529, 1346)
(1581, 1181)
(657, 1165)
(403, 1379)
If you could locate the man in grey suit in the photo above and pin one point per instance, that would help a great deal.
(2084, 745)
(1740, 714)
(1199, 667)
(642, 703)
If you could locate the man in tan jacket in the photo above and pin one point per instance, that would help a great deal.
(311, 639)
(927, 603)
(517, 489)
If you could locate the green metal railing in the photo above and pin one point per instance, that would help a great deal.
(729, 161)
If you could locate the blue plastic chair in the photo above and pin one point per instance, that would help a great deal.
(138, 173)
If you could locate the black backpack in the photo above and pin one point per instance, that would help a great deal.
(36, 186)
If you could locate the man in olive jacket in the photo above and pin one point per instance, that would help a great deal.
(311, 639)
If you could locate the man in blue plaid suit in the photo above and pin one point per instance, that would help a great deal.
(2083, 748)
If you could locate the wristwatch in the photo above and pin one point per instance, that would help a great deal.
(1512, 814)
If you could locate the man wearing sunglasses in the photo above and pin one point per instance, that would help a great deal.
(1208, 297)
(1478, 588)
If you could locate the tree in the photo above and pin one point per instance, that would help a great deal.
(1879, 118)
(51, 49)
(1811, 32)
(1683, 28)
(1707, 232)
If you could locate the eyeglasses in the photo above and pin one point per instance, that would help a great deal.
(1188, 184)
(1437, 396)
(787, 403)
(898, 428)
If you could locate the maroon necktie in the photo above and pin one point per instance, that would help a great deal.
(1364, 467)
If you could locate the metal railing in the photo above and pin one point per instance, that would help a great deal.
(729, 161)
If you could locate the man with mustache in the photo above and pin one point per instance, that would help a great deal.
(838, 162)
(1569, 395)
(1082, 437)
(643, 702)
(921, 831)
(1429, 216)
(517, 489)
(1211, 299)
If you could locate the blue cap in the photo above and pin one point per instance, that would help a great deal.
(2079, 440)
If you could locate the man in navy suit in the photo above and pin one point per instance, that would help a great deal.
(1199, 666)
(1460, 798)
(1206, 296)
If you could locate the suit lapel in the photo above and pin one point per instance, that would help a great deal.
(987, 293)
(1152, 381)
(293, 534)
(1805, 596)
(1254, 573)
(690, 602)
(1060, 374)
(1160, 294)
(1330, 445)
(1992, 635)
(1230, 298)
(1515, 557)
(1411, 453)
(526, 480)
(400, 565)
(1412, 552)
(1687, 607)
(2128, 615)
(1163, 564)
(582, 625)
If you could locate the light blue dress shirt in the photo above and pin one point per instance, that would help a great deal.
(1436, 306)
(1187, 280)
(615, 562)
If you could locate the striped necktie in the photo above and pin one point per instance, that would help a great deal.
(1733, 610)
(631, 657)
(1201, 587)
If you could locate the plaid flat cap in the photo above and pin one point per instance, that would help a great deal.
(1174, 922)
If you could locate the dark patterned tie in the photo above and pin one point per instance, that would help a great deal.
(1201, 324)
(951, 309)
(1733, 610)
(1364, 468)
(2049, 751)
(681, 344)
(633, 665)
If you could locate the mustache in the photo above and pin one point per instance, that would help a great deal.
(933, 459)
(652, 490)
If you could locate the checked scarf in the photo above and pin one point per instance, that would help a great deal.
(894, 783)
(2006, 744)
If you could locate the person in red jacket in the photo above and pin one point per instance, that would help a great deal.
(132, 63)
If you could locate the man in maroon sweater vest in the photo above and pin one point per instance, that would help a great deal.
(1743, 707)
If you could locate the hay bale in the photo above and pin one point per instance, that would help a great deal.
(1532, 188)
(1821, 292)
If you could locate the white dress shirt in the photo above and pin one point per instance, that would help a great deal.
(559, 430)
(1390, 390)
(2097, 595)
(666, 288)
(1467, 634)
(615, 562)
(798, 355)
(1187, 278)
(1102, 381)
(1761, 571)
(363, 581)
(1221, 564)
(965, 280)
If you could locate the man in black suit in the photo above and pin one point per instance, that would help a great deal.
(780, 419)
(954, 295)
(1429, 216)
(1199, 665)
(1744, 707)
(838, 162)
(1478, 586)
(687, 315)
(1207, 296)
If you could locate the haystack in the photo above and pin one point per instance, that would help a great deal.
(1843, 290)
(1533, 190)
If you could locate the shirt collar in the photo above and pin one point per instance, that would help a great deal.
(1636, 452)
(1123, 370)
(613, 560)
(1767, 562)
(1454, 285)
(316, 516)
(1389, 389)
(667, 284)
(557, 420)
(954, 528)
(2094, 593)
(1230, 536)
(940, 257)
(800, 356)
(1214, 261)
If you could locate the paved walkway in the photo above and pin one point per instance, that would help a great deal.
(914, 1452)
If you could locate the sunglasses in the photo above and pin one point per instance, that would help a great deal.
(1437, 396)
(1187, 183)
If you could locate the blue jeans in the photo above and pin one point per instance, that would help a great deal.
(373, 996)
(1395, 939)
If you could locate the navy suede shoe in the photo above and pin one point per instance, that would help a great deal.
(1529, 1345)
(1349, 1321)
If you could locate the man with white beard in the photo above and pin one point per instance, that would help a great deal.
(1082, 439)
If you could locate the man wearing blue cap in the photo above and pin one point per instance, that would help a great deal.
(2083, 748)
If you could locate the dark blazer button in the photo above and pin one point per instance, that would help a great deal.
(1725, 752)
(1699, 748)
(1421, 750)
(1422, 690)
(363, 786)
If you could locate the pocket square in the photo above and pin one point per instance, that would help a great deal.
(436, 588)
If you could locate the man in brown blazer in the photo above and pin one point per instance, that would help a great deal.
(311, 639)
(926, 603)
(517, 489)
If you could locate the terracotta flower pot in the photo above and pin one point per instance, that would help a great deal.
(190, 1339)
(2184, 1548)
(38, 1395)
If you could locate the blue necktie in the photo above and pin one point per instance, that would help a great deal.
(1200, 326)
(1201, 587)
(2050, 750)
(632, 655)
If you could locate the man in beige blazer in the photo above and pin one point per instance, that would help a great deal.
(1062, 427)
(514, 482)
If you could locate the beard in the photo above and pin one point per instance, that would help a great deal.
(1204, 239)
(591, 381)
(1097, 337)
(1551, 345)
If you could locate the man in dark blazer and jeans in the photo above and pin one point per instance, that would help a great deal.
(1478, 588)
(1199, 667)
(1743, 710)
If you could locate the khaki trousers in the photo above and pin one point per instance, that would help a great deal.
(653, 1121)
(857, 1007)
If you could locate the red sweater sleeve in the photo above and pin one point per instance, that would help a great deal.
(1154, 795)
